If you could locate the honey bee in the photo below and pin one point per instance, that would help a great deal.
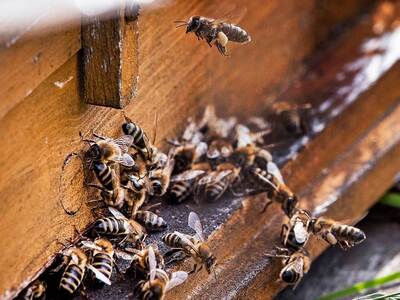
(251, 156)
(75, 270)
(107, 150)
(333, 232)
(187, 154)
(119, 225)
(215, 183)
(159, 281)
(36, 290)
(219, 151)
(140, 260)
(102, 258)
(295, 265)
(215, 32)
(295, 234)
(183, 184)
(137, 193)
(292, 117)
(193, 246)
(271, 181)
(160, 178)
(150, 220)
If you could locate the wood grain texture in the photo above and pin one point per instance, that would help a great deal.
(178, 75)
(31, 59)
(110, 58)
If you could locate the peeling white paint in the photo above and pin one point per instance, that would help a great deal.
(61, 84)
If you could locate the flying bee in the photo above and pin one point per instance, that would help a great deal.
(187, 154)
(150, 220)
(295, 265)
(159, 281)
(160, 178)
(36, 290)
(295, 234)
(193, 246)
(107, 150)
(102, 258)
(182, 185)
(271, 181)
(215, 183)
(119, 225)
(215, 32)
(76, 263)
(140, 260)
(333, 232)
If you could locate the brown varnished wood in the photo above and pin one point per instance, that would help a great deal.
(110, 58)
(177, 76)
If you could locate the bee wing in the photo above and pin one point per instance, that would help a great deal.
(126, 160)
(195, 223)
(274, 170)
(152, 262)
(177, 278)
(187, 175)
(123, 255)
(243, 136)
(207, 178)
(232, 15)
(124, 142)
(200, 150)
(116, 213)
(186, 239)
(100, 276)
(222, 174)
(90, 245)
(298, 266)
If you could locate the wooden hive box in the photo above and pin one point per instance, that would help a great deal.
(47, 78)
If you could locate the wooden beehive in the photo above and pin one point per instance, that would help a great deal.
(48, 79)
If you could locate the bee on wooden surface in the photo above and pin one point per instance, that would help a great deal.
(215, 32)
(102, 258)
(75, 270)
(36, 290)
(112, 192)
(295, 234)
(140, 261)
(119, 225)
(295, 265)
(183, 185)
(150, 220)
(215, 183)
(194, 246)
(292, 117)
(160, 178)
(107, 150)
(159, 281)
(271, 181)
(333, 232)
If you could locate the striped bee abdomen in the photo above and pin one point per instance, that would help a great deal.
(138, 136)
(110, 226)
(103, 263)
(104, 175)
(349, 233)
(180, 191)
(173, 240)
(216, 189)
(71, 278)
(235, 33)
(150, 220)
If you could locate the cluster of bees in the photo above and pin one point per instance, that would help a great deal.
(213, 157)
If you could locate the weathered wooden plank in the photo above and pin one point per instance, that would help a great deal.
(110, 57)
(178, 75)
(30, 59)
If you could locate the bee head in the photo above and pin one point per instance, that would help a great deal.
(157, 187)
(94, 152)
(156, 290)
(207, 256)
(128, 127)
(193, 24)
(290, 204)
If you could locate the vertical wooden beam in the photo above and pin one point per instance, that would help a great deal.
(110, 57)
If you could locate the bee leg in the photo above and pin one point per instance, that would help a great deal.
(174, 255)
(193, 270)
(98, 136)
(267, 203)
(284, 234)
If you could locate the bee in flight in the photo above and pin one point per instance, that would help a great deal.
(159, 282)
(215, 31)
(295, 265)
(193, 246)
(333, 232)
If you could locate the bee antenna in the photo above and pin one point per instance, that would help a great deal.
(184, 24)
(180, 21)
